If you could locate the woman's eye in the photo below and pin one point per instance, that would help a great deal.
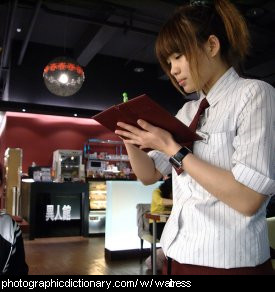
(177, 57)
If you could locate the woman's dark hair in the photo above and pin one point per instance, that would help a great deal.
(166, 188)
(189, 28)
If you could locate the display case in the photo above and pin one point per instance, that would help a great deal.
(107, 159)
(97, 203)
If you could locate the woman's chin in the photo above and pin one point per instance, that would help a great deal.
(188, 90)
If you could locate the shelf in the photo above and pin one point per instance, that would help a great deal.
(112, 171)
(100, 179)
(117, 159)
(110, 159)
(99, 141)
(98, 192)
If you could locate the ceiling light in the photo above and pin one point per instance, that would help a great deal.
(23, 110)
(19, 29)
(63, 76)
(75, 115)
(255, 12)
(139, 69)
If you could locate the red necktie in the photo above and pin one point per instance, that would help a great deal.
(194, 124)
(203, 105)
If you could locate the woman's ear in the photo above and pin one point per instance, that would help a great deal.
(213, 46)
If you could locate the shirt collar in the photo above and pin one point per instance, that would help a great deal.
(222, 84)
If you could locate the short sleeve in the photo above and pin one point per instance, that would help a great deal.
(254, 143)
(161, 162)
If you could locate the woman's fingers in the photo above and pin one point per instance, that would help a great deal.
(128, 137)
(147, 136)
(122, 133)
(129, 128)
(146, 126)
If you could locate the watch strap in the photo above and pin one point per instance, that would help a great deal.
(176, 160)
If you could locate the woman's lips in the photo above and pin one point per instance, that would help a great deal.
(182, 82)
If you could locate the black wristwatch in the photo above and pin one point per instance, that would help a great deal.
(176, 160)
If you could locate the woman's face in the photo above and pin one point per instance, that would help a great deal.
(180, 70)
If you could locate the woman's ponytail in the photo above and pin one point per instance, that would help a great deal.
(236, 29)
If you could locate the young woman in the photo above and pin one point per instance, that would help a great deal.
(217, 224)
(161, 203)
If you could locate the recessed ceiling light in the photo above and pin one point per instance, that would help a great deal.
(75, 115)
(255, 12)
(23, 110)
(139, 69)
(19, 29)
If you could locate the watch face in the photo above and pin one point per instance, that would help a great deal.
(175, 162)
(179, 156)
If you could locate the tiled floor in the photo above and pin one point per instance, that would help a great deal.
(76, 256)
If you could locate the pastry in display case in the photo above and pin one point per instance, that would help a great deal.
(97, 195)
(98, 199)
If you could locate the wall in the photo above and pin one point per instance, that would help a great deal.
(2, 151)
(2, 135)
(40, 135)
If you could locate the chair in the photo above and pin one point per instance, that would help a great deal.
(143, 228)
(271, 235)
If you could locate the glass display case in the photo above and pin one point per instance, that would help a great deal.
(97, 203)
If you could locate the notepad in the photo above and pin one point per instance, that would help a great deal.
(143, 107)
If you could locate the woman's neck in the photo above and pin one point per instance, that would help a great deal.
(218, 72)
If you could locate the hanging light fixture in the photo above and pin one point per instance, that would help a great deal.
(63, 76)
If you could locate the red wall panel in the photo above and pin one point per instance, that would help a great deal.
(2, 152)
(40, 135)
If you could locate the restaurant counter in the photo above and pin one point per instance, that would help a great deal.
(55, 209)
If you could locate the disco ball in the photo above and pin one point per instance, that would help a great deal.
(63, 76)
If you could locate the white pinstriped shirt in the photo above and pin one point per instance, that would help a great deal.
(240, 122)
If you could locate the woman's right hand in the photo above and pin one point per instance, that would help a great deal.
(148, 136)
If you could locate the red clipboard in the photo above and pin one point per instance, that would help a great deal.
(143, 107)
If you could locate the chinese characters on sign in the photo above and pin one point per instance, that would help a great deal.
(66, 213)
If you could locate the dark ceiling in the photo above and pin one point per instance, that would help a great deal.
(109, 39)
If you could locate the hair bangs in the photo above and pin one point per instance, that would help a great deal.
(169, 41)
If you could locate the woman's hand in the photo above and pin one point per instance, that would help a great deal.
(148, 136)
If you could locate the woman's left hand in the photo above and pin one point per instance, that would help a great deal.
(148, 136)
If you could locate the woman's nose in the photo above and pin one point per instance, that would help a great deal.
(174, 70)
